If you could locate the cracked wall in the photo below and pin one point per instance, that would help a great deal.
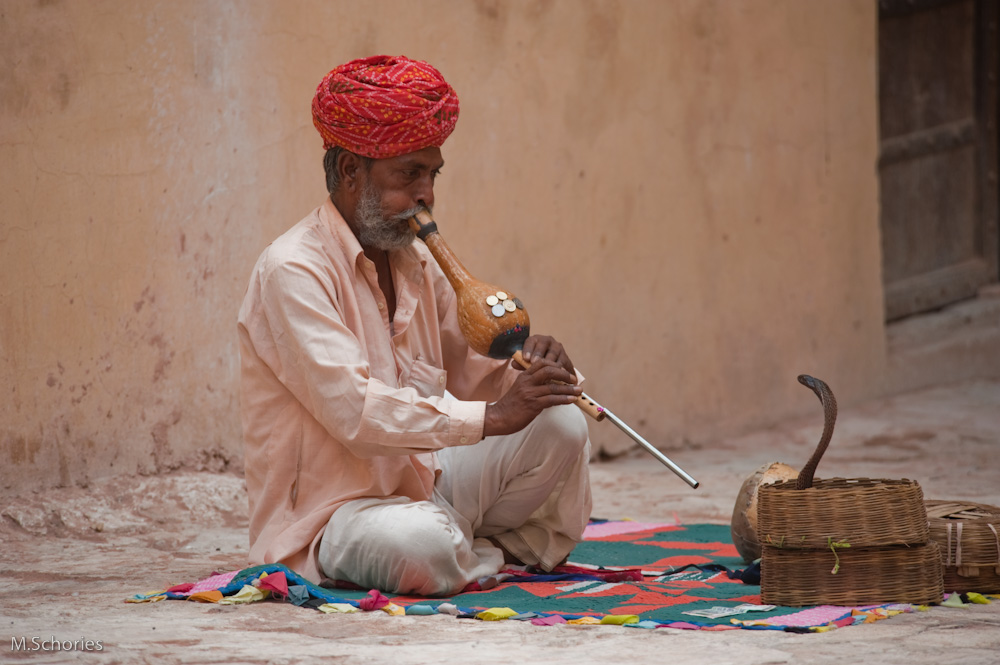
(684, 193)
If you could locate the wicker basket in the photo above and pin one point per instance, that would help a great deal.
(980, 580)
(844, 541)
(861, 512)
(968, 535)
(866, 576)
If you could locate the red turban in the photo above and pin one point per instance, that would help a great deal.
(384, 107)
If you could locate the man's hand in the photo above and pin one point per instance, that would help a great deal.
(542, 346)
(549, 381)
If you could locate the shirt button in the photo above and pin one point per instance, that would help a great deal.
(381, 305)
(464, 439)
(441, 380)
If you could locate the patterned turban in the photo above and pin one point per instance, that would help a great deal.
(384, 107)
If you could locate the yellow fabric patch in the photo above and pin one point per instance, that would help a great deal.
(248, 594)
(394, 609)
(337, 608)
(150, 597)
(496, 614)
(585, 621)
(620, 619)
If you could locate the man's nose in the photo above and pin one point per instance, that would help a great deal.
(425, 192)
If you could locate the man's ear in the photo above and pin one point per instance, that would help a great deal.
(348, 165)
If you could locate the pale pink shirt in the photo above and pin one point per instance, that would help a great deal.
(336, 404)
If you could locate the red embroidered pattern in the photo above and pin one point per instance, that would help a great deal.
(384, 106)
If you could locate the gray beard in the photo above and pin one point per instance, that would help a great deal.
(375, 230)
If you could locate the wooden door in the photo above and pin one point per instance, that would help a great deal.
(938, 159)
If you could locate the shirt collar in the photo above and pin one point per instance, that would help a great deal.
(409, 261)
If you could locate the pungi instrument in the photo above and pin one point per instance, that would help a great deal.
(495, 323)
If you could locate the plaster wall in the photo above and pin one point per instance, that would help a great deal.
(683, 192)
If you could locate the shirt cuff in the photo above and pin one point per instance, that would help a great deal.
(467, 422)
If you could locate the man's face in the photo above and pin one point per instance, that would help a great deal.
(392, 191)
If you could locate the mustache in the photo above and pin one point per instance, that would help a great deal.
(406, 214)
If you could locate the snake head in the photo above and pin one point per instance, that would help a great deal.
(809, 382)
(819, 387)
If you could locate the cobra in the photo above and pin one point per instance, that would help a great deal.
(743, 525)
(829, 402)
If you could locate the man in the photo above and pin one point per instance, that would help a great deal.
(359, 467)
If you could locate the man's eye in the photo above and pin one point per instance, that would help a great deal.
(435, 173)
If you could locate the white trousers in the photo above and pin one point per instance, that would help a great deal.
(528, 491)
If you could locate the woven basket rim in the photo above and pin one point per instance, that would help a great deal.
(864, 512)
(821, 484)
(989, 513)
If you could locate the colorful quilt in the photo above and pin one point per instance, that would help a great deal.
(626, 573)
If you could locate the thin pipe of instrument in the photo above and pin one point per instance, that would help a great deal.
(495, 323)
(591, 407)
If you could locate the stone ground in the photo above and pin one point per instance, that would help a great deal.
(71, 556)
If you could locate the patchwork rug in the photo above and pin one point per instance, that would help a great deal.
(626, 573)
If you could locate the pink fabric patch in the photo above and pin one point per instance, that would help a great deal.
(814, 616)
(374, 601)
(605, 529)
(683, 625)
(547, 621)
(214, 582)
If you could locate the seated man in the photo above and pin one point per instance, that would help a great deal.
(358, 467)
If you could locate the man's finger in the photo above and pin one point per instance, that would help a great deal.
(530, 349)
(553, 352)
(554, 373)
(566, 364)
(539, 364)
